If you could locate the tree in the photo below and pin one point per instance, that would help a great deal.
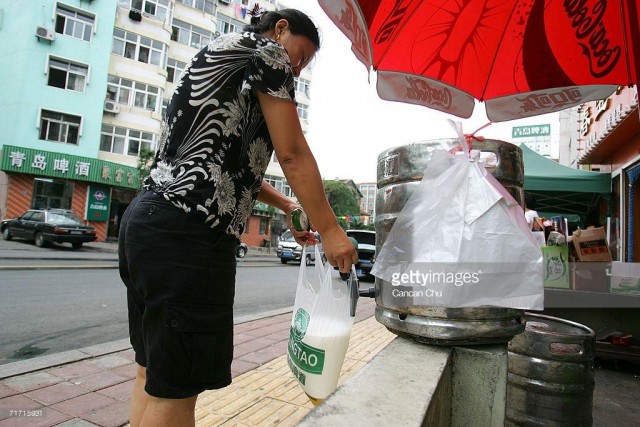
(145, 160)
(342, 200)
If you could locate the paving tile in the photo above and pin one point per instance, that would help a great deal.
(16, 403)
(6, 391)
(84, 404)
(281, 335)
(75, 370)
(120, 391)
(99, 381)
(109, 362)
(263, 356)
(239, 367)
(242, 338)
(56, 393)
(128, 354)
(125, 371)
(30, 382)
(265, 330)
(76, 422)
(113, 415)
(251, 346)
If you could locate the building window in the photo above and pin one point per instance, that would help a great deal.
(120, 140)
(165, 104)
(302, 85)
(303, 110)
(207, 6)
(174, 70)
(158, 10)
(51, 193)
(190, 35)
(59, 127)
(264, 225)
(138, 48)
(128, 92)
(67, 75)
(146, 96)
(74, 23)
(119, 90)
(228, 25)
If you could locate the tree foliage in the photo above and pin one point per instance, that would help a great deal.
(342, 199)
(145, 161)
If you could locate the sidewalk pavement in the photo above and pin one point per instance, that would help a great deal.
(95, 391)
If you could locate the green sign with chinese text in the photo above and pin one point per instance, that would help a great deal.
(98, 203)
(67, 166)
(531, 131)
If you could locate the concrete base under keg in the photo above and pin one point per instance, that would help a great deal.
(413, 384)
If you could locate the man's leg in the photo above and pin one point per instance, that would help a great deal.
(169, 412)
(139, 397)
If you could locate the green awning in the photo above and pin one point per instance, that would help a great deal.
(561, 189)
(542, 174)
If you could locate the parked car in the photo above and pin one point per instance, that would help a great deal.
(49, 225)
(241, 250)
(366, 252)
(289, 250)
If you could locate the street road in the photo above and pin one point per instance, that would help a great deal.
(57, 308)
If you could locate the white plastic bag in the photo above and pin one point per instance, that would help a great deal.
(320, 330)
(461, 240)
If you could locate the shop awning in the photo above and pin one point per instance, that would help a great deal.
(560, 189)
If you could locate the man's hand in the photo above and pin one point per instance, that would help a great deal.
(339, 250)
(302, 237)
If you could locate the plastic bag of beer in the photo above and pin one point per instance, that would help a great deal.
(320, 330)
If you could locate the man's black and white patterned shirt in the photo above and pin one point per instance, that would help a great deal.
(215, 146)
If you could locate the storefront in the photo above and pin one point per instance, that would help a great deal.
(610, 140)
(96, 190)
(264, 226)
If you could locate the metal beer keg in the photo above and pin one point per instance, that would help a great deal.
(550, 378)
(399, 172)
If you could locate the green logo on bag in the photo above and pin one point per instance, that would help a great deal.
(300, 324)
(305, 357)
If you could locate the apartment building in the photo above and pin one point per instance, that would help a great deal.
(368, 200)
(53, 86)
(89, 83)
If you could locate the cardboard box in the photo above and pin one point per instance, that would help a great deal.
(591, 245)
(556, 266)
(625, 277)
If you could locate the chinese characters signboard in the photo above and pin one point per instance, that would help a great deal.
(531, 131)
(67, 166)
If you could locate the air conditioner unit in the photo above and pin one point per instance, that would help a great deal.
(45, 34)
(216, 34)
(111, 107)
(135, 15)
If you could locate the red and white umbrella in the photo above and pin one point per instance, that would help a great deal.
(520, 57)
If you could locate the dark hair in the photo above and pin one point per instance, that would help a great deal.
(530, 201)
(299, 24)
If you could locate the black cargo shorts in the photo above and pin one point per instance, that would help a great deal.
(180, 279)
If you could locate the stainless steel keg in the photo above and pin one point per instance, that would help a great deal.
(399, 172)
(550, 378)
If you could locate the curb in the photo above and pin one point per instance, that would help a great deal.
(39, 363)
